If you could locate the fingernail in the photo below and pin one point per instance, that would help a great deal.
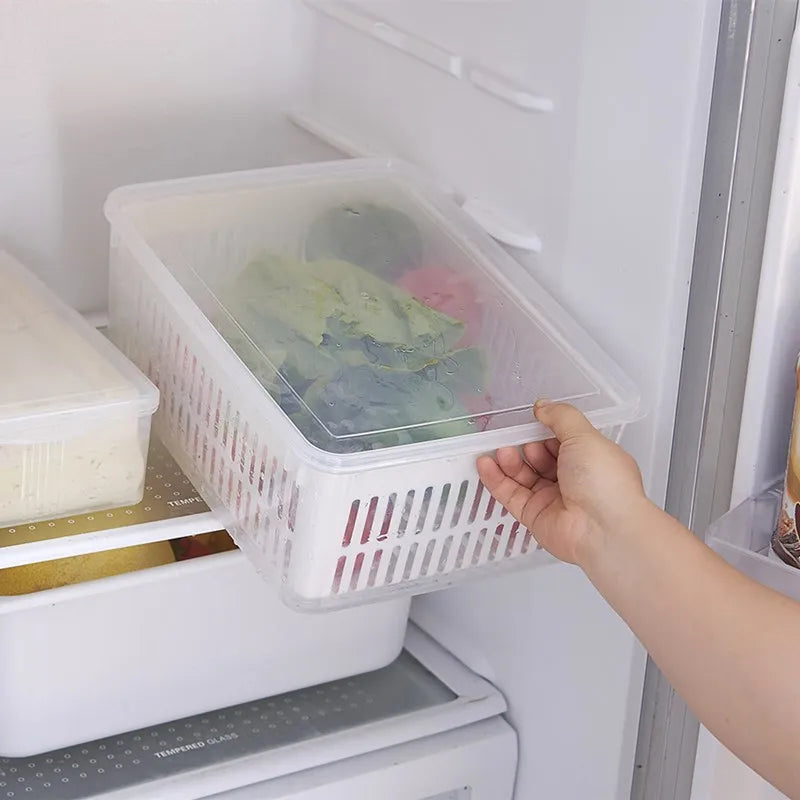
(541, 402)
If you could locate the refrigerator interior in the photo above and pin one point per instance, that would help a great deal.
(574, 132)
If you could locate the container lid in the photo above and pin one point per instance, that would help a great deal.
(371, 308)
(58, 373)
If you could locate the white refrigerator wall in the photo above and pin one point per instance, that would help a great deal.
(94, 95)
(606, 178)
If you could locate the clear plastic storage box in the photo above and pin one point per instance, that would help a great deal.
(74, 412)
(335, 345)
(108, 641)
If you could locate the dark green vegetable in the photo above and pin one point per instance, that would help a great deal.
(380, 239)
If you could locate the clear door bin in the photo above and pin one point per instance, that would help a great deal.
(742, 537)
(74, 412)
(335, 345)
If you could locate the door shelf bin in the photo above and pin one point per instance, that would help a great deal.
(742, 538)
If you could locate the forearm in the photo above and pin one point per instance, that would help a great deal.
(729, 646)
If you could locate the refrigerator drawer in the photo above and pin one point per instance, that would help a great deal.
(474, 762)
(95, 659)
(421, 727)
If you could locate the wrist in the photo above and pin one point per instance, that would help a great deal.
(607, 540)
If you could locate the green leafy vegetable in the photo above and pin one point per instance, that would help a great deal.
(355, 362)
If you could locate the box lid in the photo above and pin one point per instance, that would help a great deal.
(372, 309)
(58, 373)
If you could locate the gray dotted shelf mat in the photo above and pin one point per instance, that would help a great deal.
(168, 494)
(134, 759)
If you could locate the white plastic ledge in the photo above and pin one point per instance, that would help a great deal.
(492, 221)
(509, 92)
(408, 43)
(434, 55)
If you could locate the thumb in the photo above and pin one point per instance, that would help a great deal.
(563, 419)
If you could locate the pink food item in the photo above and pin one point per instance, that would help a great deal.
(480, 404)
(449, 292)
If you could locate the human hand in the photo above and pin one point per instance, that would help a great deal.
(570, 491)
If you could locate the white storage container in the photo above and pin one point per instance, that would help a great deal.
(74, 412)
(95, 659)
(335, 345)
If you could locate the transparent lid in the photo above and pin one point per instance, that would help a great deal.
(370, 307)
(56, 372)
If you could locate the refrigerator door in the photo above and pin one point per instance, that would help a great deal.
(763, 436)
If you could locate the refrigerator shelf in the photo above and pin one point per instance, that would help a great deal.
(170, 508)
(424, 692)
(742, 538)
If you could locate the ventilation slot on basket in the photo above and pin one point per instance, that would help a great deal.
(373, 505)
(437, 522)
(512, 540)
(251, 471)
(423, 512)
(387, 518)
(446, 547)
(462, 550)
(473, 514)
(526, 544)
(293, 504)
(359, 562)
(282, 493)
(247, 503)
(480, 547)
(409, 568)
(337, 575)
(272, 471)
(262, 471)
(351, 523)
(496, 542)
(373, 571)
(462, 498)
(390, 573)
(426, 561)
(406, 515)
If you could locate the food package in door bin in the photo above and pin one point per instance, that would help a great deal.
(786, 539)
